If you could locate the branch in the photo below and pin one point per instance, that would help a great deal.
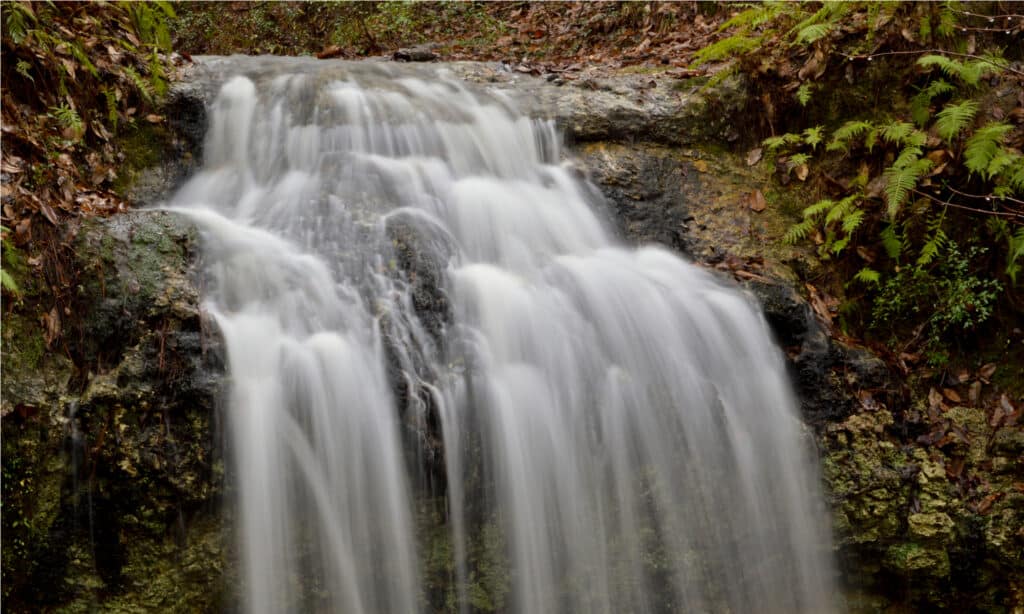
(986, 197)
(869, 56)
(1013, 218)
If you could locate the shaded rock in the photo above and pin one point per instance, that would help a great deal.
(119, 462)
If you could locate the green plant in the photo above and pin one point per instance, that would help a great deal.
(940, 302)
(6, 279)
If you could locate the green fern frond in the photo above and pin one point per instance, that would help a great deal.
(23, 68)
(900, 180)
(919, 104)
(1014, 253)
(804, 92)
(954, 118)
(813, 136)
(799, 232)
(970, 72)
(67, 117)
(844, 134)
(1015, 177)
(775, 142)
(947, 20)
(756, 15)
(902, 133)
(818, 208)
(141, 85)
(811, 33)
(836, 247)
(907, 156)
(83, 58)
(852, 221)
(936, 243)
(983, 146)
(796, 160)
(841, 208)
(868, 276)
(871, 138)
(1003, 160)
(892, 242)
(725, 48)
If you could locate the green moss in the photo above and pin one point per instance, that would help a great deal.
(916, 559)
(144, 146)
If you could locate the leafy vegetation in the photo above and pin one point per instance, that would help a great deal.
(74, 75)
(908, 174)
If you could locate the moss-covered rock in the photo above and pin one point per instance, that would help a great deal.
(112, 473)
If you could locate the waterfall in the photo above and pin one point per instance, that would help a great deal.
(419, 298)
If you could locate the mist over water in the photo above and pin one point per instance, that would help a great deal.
(410, 282)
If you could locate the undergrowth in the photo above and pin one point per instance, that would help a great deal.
(907, 118)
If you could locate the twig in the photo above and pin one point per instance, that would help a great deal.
(868, 57)
(983, 196)
(1013, 218)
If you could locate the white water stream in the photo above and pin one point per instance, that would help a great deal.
(619, 415)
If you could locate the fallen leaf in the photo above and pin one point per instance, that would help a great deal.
(951, 394)
(49, 213)
(801, 172)
(51, 326)
(757, 201)
(963, 375)
(154, 119)
(934, 399)
(754, 156)
(987, 502)
(1004, 402)
(974, 392)
(987, 371)
(700, 165)
(331, 51)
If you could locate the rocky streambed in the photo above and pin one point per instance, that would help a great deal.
(113, 464)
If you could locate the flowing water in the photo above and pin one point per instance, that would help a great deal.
(420, 299)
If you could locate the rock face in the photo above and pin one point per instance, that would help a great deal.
(113, 475)
(112, 466)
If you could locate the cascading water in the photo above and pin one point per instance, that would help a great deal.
(396, 258)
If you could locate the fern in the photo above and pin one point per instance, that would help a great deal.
(83, 59)
(818, 208)
(813, 136)
(799, 232)
(952, 120)
(23, 68)
(947, 20)
(902, 178)
(68, 117)
(983, 146)
(840, 209)
(902, 133)
(853, 221)
(969, 72)
(919, 104)
(141, 85)
(1014, 252)
(775, 142)
(868, 276)
(844, 134)
(803, 93)
(931, 248)
(725, 48)
(892, 242)
(814, 32)
(796, 160)
(757, 15)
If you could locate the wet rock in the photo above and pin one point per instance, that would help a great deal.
(422, 53)
(119, 459)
